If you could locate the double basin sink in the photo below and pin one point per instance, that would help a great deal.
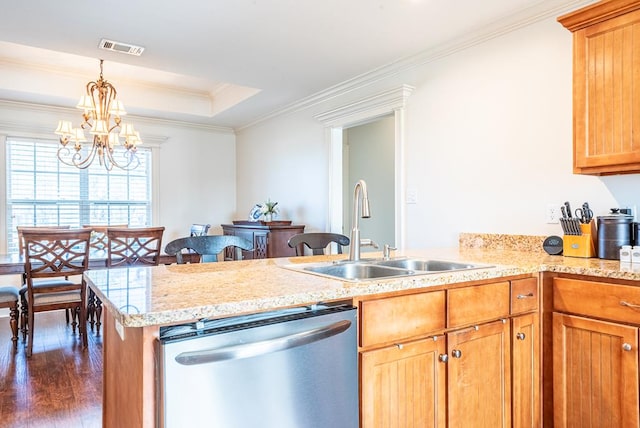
(380, 268)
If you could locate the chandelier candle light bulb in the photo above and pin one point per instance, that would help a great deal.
(100, 109)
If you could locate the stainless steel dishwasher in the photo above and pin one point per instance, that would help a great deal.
(293, 368)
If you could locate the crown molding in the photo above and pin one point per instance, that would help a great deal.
(24, 106)
(539, 12)
(364, 110)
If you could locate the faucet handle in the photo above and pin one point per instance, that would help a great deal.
(386, 251)
(366, 242)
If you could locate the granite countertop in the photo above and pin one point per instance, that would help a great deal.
(171, 294)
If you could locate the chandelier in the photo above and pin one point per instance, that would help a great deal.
(102, 116)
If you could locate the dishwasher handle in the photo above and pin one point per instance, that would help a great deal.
(253, 349)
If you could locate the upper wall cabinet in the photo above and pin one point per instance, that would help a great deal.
(606, 87)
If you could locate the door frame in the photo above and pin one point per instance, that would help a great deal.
(359, 113)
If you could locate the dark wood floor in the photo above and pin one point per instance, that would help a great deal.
(59, 386)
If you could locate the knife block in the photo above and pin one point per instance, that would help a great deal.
(581, 245)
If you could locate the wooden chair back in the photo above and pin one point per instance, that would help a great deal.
(51, 253)
(131, 246)
(208, 246)
(20, 229)
(199, 229)
(317, 242)
(99, 234)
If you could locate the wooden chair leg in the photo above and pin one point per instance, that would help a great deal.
(91, 308)
(23, 319)
(98, 315)
(82, 328)
(13, 322)
(74, 319)
(31, 329)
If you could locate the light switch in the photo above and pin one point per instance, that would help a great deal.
(411, 196)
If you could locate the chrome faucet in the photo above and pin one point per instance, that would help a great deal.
(359, 189)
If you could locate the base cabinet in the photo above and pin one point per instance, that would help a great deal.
(466, 357)
(595, 354)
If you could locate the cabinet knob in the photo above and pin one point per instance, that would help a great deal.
(456, 353)
(626, 347)
(400, 345)
(520, 336)
(443, 358)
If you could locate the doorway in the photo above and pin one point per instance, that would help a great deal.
(390, 104)
(369, 154)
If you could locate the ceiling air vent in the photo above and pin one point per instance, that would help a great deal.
(126, 48)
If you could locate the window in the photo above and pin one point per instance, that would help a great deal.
(42, 191)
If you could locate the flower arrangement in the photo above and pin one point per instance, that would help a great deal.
(269, 209)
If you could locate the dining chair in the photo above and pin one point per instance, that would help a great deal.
(127, 246)
(54, 263)
(199, 229)
(208, 247)
(317, 242)
(9, 299)
(99, 235)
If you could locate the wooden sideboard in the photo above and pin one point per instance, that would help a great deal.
(269, 240)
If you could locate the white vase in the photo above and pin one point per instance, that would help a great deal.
(267, 217)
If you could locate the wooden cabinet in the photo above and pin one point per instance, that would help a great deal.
(479, 381)
(595, 361)
(606, 96)
(404, 385)
(483, 339)
(268, 240)
(525, 371)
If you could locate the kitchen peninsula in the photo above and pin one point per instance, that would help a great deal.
(140, 300)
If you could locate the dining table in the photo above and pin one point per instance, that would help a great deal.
(13, 264)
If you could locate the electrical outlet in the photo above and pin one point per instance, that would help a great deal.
(553, 214)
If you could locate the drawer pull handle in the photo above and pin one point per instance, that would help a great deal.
(520, 336)
(400, 345)
(626, 347)
(456, 353)
(629, 305)
(524, 296)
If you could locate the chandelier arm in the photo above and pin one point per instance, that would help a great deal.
(129, 157)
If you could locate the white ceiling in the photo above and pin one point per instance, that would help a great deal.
(230, 63)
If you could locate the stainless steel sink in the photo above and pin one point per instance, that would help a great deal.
(377, 268)
(427, 265)
(358, 271)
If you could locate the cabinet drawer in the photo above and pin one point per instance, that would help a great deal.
(472, 305)
(597, 299)
(524, 295)
(397, 318)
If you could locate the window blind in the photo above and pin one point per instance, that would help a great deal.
(42, 191)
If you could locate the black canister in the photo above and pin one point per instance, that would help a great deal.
(636, 234)
(614, 231)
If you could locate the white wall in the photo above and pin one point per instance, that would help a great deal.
(285, 159)
(488, 144)
(195, 166)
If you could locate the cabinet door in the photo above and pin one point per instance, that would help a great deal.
(525, 371)
(607, 96)
(595, 373)
(404, 385)
(479, 387)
